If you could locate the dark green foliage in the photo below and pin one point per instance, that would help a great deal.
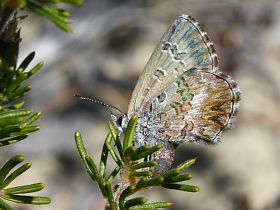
(16, 121)
(48, 9)
(45, 8)
(14, 194)
(135, 170)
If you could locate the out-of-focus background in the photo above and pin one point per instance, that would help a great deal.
(104, 57)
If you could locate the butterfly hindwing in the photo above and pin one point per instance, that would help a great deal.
(198, 105)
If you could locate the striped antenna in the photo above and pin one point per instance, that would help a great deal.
(99, 102)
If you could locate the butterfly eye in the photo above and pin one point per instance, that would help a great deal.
(120, 119)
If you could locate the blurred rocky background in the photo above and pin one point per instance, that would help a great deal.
(104, 57)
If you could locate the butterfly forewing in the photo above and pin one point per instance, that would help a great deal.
(184, 46)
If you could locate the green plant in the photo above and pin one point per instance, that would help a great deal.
(16, 122)
(45, 8)
(14, 194)
(135, 167)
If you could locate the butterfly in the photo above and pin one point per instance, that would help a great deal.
(181, 96)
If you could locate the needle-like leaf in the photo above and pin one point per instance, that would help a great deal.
(129, 132)
(9, 165)
(15, 174)
(35, 200)
(24, 189)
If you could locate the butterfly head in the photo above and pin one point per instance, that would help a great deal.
(119, 122)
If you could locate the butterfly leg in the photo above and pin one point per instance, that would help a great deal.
(164, 157)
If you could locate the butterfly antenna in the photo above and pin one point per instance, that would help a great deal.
(99, 102)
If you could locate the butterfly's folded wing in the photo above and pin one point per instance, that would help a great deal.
(184, 46)
(197, 106)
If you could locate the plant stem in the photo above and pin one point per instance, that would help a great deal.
(7, 13)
